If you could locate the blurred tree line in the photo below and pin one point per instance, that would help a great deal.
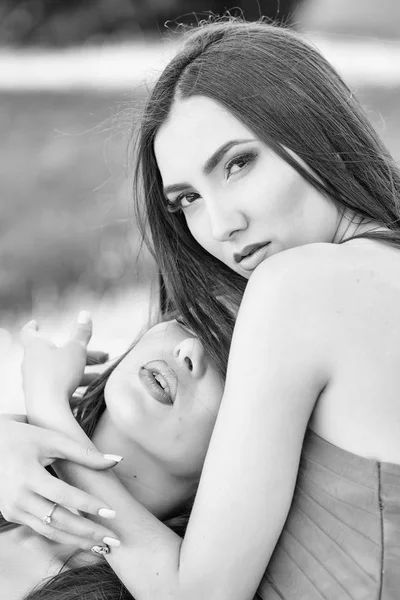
(69, 22)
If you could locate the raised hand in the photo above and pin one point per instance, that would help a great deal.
(50, 370)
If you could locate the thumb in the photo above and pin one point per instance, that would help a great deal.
(83, 454)
(83, 329)
(28, 332)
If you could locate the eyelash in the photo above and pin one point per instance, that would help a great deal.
(175, 205)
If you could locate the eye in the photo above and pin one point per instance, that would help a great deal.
(182, 201)
(238, 163)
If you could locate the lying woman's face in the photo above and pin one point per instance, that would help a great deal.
(164, 396)
(236, 194)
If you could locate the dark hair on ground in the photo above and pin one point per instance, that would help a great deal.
(275, 82)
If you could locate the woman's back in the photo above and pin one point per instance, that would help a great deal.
(359, 410)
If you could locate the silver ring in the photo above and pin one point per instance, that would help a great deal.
(47, 519)
(100, 550)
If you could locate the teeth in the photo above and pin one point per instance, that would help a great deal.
(160, 380)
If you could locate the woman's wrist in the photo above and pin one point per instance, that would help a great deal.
(49, 410)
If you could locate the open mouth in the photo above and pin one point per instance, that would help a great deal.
(159, 380)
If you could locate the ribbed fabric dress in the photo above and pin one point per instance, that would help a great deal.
(341, 540)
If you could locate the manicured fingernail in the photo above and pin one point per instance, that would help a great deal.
(111, 542)
(84, 317)
(107, 513)
(114, 457)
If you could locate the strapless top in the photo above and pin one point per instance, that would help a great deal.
(341, 540)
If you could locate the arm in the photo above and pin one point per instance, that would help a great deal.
(277, 369)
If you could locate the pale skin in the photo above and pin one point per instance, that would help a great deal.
(315, 343)
(163, 449)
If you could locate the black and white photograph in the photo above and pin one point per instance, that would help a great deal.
(200, 300)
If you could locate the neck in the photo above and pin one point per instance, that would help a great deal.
(351, 225)
(145, 477)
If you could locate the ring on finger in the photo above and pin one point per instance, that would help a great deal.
(47, 519)
(100, 550)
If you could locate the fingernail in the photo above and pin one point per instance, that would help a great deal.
(114, 457)
(107, 513)
(111, 542)
(32, 323)
(84, 317)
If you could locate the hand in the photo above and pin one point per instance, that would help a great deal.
(51, 370)
(28, 491)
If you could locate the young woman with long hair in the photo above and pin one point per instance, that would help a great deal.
(126, 409)
(262, 184)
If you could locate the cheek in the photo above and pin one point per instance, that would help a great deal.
(196, 222)
(199, 227)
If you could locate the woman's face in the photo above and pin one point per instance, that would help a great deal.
(164, 397)
(241, 201)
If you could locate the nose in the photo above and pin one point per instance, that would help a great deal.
(190, 356)
(225, 219)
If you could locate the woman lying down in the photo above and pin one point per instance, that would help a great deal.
(127, 412)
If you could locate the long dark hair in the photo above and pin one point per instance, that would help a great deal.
(283, 90)
(98, 581)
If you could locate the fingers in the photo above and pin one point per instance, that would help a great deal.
(54, 534)
(29, 332)
(88, 377)
(62, 446)
(83, 329)
(96, 357)
(62, 493)
(65, 522)
(81, 334)
(91, 374)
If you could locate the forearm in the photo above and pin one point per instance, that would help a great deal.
(148, 558)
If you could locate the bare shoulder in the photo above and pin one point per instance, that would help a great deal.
(307, 272)
(313, 292)
(282, 323)
(290, 300)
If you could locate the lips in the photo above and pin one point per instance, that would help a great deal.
(159, 380)
(252, 256)
(238, 256)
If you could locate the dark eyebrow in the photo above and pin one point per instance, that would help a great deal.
(215, 158)
(209, 165)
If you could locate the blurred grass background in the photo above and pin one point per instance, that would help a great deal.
(65, 211)
(66, 222)
(68, 239)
